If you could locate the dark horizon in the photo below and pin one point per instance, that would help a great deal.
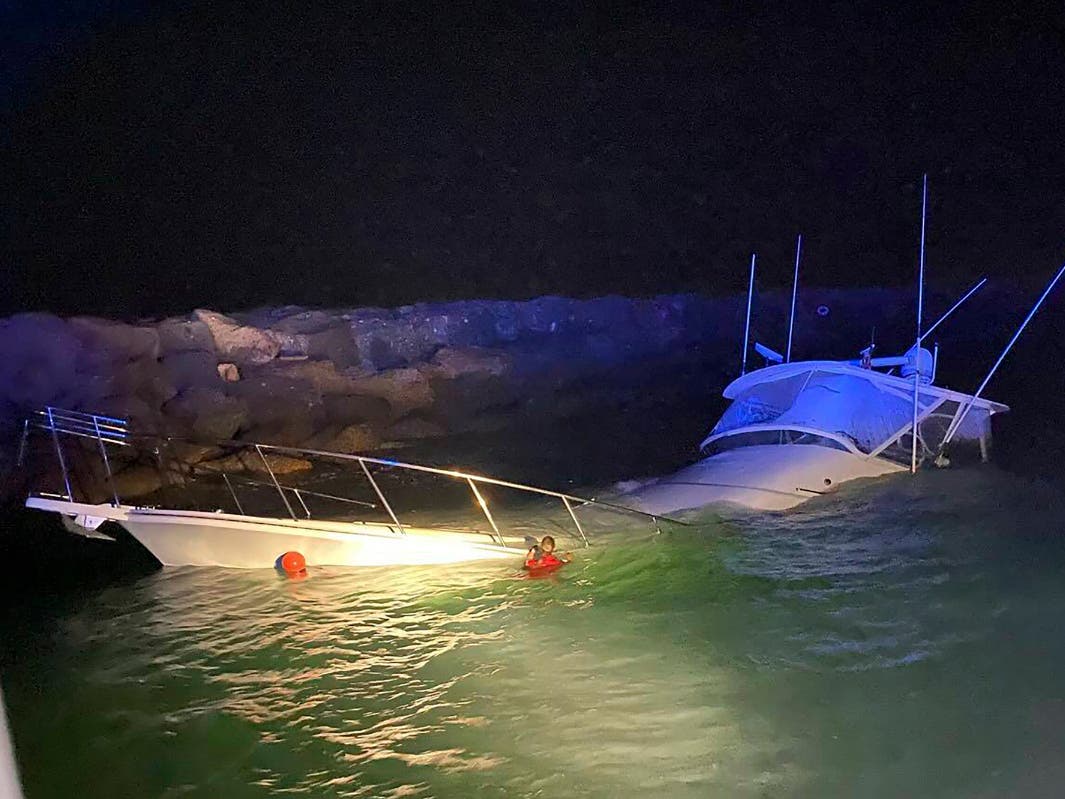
(168, 158)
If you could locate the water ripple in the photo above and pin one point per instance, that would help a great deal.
(803, 654)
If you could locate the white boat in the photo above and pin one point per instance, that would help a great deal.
(235, 538)
(798, 430)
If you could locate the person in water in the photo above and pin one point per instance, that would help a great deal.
(543, 554)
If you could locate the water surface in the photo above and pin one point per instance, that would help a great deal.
(902, 639)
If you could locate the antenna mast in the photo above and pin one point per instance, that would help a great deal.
(747, 327)
(953, 308)
(794, 290)
(956, 423)
(917, 344)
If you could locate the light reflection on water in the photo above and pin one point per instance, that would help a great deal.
(899, 640)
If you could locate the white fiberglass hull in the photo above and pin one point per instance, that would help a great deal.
(764, 477)
(196, 538)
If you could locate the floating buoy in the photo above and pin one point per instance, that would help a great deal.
(292, 563)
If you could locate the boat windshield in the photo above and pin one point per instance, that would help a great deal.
(770, 437)
(874, 414)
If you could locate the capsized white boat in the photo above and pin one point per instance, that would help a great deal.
(237, 538)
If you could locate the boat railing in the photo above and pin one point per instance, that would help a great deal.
(107, 430)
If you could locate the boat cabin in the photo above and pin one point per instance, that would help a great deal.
(840, 405)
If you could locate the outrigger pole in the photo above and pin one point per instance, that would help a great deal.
(917, 345)
(794, 291)
(953, 308)
(956, 424)
(747, 327)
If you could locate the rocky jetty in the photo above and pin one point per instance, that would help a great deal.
(358, 380)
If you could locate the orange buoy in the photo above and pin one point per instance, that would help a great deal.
(293, 563)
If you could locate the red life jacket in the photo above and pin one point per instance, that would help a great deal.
(548, 561)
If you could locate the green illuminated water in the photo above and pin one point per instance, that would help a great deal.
(903, 639)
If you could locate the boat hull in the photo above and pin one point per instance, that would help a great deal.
(191, 538)
(761, 477)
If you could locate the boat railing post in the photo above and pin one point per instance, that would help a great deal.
(59, 452)
(170, 468)
(277, 485)
(232, 493)
(572, 515)
(107, 461)
(380, 495)
(299, 496)
(484, 508)
(23, 442)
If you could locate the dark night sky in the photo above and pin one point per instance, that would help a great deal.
(229, 155)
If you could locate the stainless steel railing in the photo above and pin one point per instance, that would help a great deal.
(108, 430)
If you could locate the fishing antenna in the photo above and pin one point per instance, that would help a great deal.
(917, 344)
(794, 291)
(747, 327)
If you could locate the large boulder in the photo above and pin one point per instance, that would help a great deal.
(456, 400)
(292, 431)
(241, 344)
(121, 342)
(280, 410)
(272, 398)
(322, 377)
(137, 480)
(316, 334)
(182, 335)
(507, 321)
(249, 460)
(350, 440)
(141, 416)
(191, 452)
(207, 414)
(192, 369)
(545, 315)
(351, 408)
(460, 324)
(453, 362)
(151, 382)
(334, 344)
(306, 322)
(415, 428)
(388, 343)
(83, 392)
(405, 390)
